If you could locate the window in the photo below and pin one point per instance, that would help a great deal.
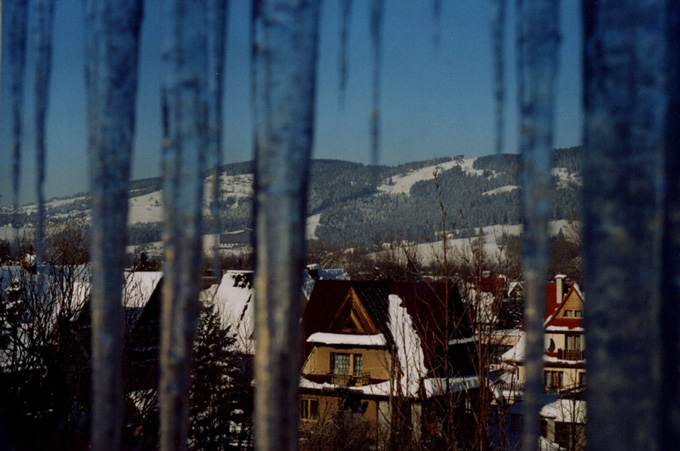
(553, 379)
(346, 363)
(573, 342)
(578, 313)
(581, 379)
(309, 409)
(351, 327)
(568, 313)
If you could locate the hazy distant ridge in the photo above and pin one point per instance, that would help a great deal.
(351, 203)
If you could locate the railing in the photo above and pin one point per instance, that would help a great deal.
(349, 380)
(569, 354)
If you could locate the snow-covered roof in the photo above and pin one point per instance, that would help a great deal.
(481, 300)
(564, 329)
(233, 302)
(566, 411)
(516, 353)
(347, 339)
(408, 344)
(139, 286)
(379, 389)
(460, 341)
(437, 386)
(546, 445)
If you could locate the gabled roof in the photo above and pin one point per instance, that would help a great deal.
(555, 320)
(417, 305)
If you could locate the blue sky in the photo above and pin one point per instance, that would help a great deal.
(434, 101)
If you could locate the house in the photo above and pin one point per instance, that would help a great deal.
(564, 358)
(563, 422)
(233, 300)
(386, 355)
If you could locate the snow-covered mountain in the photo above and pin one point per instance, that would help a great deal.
(350, 203)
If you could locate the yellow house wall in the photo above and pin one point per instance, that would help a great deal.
(570, 376)
(328, 408)
(573, 302)
(376, 362)
(560, 339)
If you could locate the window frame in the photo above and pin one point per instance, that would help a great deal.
(355, 367)
(309, 409)
(574, 342)
(553, 379)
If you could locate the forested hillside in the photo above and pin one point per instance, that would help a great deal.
(358, 204)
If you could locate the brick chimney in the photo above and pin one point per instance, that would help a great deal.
(559, 291)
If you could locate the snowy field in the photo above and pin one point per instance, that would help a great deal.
(432, 252)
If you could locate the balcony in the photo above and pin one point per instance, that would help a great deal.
(569, 354)
(349, 380)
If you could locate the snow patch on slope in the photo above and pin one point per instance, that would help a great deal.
(312, 224)
(566, 178)
(401, 184)
(502, 189)
(146, 208)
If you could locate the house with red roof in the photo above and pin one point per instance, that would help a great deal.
(564, 358)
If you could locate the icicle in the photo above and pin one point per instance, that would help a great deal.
(284, 46)
(346, 8)
(377, 9)
(626, 92)
(43, 38)
(217, 26)
(538, 42)
(112, 36)
(670, 277)
(437, 15)
(497, 34)
(186, 137)
(17, 18)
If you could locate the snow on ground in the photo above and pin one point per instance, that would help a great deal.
(9, 233)
(33, 208)
(312, 223)
(146, 208)
(432, 252)
(401, 184)
(149, 207)
(502, 189)
(566, 178)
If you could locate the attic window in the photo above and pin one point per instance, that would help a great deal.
(578, 313)
(351, 326)
(568, 313)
